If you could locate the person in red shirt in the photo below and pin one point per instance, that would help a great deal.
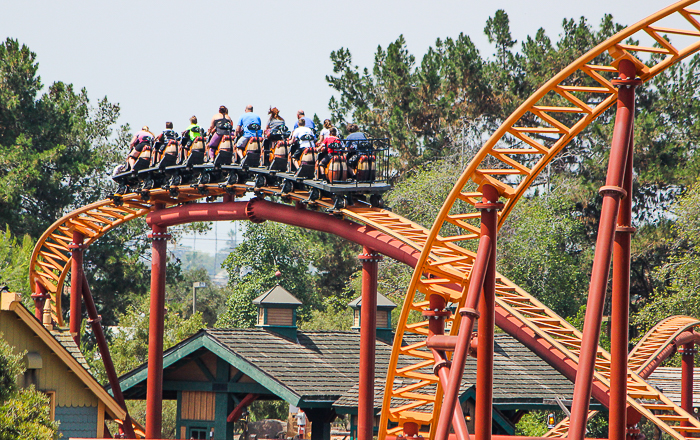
(329, 146)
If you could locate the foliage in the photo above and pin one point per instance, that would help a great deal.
(210, 299)
(268, 409)
(14, 261)
(679, 277)
(543, 248)
(24, 413)
(268, 248)
(54, 147)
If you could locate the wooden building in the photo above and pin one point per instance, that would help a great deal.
(216, 372)
(56, 367)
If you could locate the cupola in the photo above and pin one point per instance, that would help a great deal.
(277, 312)
(384, 308)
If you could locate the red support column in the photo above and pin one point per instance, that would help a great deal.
(688, 362)
(612, 193)
(368, 338)
(154, 381)
(76, 288)
(39, 296)
(619, 331)
(487, 320)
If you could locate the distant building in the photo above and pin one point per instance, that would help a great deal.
(56, 367)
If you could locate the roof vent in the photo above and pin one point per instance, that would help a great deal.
(384, 308)
(277, 312)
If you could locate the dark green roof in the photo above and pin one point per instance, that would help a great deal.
(382, 301)
(278, 295)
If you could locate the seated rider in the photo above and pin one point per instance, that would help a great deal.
(188, 136)
(242, 129)
(221, 125)
(164, 139)
(354, 148)
(141, 139)
(299, 144)
(329, 146)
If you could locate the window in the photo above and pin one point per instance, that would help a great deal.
(198, 433)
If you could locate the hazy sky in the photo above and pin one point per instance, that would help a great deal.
(167, 60)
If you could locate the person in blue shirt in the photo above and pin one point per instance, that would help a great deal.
(242, 129)
(309, 122)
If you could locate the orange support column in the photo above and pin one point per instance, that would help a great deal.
(154, 381)
(368, 339)
(76, 285)
(612, 193)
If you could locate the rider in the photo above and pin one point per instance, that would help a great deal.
(141, 139)
(353, 157)
(308, 122)
(221, 125)
(192, 132)
(242, 129)
(327, 148)
(165, 137)
(296, 138)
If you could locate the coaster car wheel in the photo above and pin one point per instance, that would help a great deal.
(376, 201)
(260, 181)
(122, 189)
(174, 193)
(147, 183)
(314, 194)
(287, 187)
(339, 202)
(176, 180)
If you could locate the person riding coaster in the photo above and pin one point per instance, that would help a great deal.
(249, 152)
(192, 141)
(141, 150)
(360, 157)
(332, 165)
(277, 152)
(168, 139)
(302, 158)
(221, 129)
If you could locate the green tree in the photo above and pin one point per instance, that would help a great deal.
(268, 248)
(24, 413)
(53, 146)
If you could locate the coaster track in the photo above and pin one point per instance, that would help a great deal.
(562, 107)
(544, 124)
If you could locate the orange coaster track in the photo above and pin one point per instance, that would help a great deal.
(561, 108)
(544, 124)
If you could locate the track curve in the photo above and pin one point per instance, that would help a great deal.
(657, 345)
(545, 124)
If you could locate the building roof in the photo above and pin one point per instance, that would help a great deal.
(668, 381)
(521, 378)
(323, 367)
(382, 301)
(64, 337)
(278, 295)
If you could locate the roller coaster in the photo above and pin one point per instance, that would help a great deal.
(419, 397)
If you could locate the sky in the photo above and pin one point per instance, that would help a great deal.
(168, 60)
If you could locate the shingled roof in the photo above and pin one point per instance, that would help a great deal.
(520, 377)
(323, 366)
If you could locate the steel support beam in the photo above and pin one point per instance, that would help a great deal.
(612, 193)
(436, 315)
(687, 365)
(94, 320)
(619, 317)
(39, 296)
(154, 381)
(483, 419)
(368, 340)
(76, 279)
(238, 410)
